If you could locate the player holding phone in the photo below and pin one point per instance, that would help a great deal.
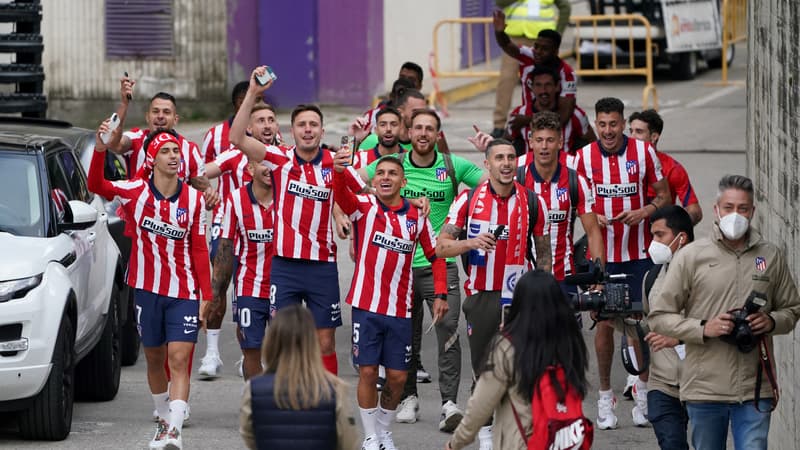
(169, 270)
(503, 220)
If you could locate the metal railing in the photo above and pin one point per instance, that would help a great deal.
(632, 27)
(734, 29)
(623, 56)
(480, 69)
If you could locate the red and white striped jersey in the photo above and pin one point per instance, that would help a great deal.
(192, 164)
(216, 141)
(169, 253)
(304, 203)
(555, 194)
(527, 64)
(620, 181)
(577, 126)
(369, 116)
(249, 225)
(232, 164)
(489, 276)
(385, 241)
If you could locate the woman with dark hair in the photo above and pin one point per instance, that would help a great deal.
(295, 404)
(540, 331)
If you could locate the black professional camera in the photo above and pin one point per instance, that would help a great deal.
(741, 335)
(613, 300)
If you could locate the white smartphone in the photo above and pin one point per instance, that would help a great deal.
(113, 124)
(264, 79)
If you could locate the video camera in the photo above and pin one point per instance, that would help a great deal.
(613, 300)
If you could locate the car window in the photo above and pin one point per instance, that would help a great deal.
(57, 177)
(20, 201)
(74, 175)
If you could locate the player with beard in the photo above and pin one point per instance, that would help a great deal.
(231, 167)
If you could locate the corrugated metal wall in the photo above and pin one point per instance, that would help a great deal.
(76, 66)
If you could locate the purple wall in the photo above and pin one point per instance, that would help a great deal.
(287, 34)
(350, 51)
(242, 42)
(322, 51)
(477, 8)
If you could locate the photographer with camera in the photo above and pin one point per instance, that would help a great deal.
(656, 389)
(724, 296)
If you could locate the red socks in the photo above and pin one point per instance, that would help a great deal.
(330, 363)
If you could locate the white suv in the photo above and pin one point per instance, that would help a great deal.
(60, 278)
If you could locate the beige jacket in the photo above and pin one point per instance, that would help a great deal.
(707, 278)
(494, 394)
(348, 437)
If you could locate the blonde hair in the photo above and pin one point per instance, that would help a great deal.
(291, 351)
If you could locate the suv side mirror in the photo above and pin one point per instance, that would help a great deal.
(83, 216)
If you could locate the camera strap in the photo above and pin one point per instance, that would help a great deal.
(627, 360)
(765, 365)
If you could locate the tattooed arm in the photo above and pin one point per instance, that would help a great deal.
(223, 270)
(544, 256)
(448, 244)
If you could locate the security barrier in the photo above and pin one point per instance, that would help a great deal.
(614, 42)
(618, 28)
(734, 29)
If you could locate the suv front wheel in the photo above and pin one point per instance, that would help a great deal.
(50, 415)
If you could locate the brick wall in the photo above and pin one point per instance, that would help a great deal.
(773, 161)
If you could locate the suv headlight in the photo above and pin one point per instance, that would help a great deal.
(18, 288)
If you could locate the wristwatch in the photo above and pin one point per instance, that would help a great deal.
(440, 296)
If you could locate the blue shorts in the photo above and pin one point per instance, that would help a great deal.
(216, 231)
(253, 316)
(162, 319)
(293, 281)
(380, 339)
(635, 271)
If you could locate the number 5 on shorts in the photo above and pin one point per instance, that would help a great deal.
(356, 325)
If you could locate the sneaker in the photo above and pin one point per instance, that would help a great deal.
(639, 412)
(408, 411)
(370, 443)
(606, 420)
(210, 367)
(239, 368)
(159, 438)
(485, 438)
(173, 440)
(387, 443)
(628, 392)
(450, 418)
(422, 375)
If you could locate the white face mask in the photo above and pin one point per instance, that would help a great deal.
(660, 253)
(733, 226)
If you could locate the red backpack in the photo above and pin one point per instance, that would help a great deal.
(558, 420)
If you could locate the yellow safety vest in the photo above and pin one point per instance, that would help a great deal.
(529, 17)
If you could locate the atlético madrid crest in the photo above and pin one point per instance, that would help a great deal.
(182, 216)
(761, 263)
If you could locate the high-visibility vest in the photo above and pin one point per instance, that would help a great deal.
(529, 17)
